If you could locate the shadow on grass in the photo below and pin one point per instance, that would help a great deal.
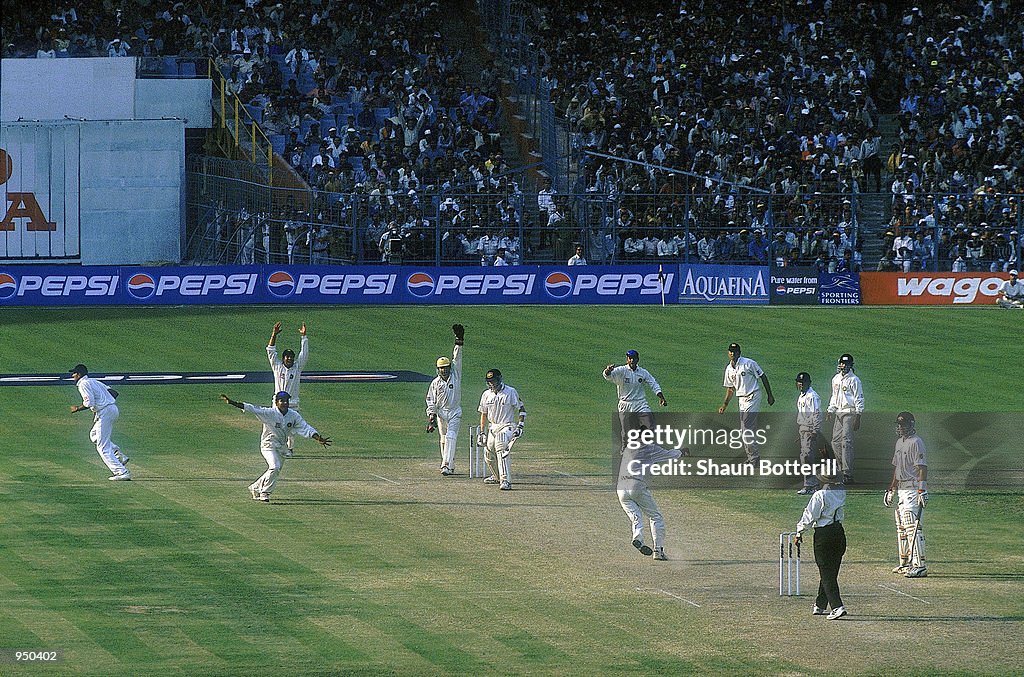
(918, 618)
(443, 504)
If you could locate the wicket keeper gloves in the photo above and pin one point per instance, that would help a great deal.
(481, 439)
(887, 498)
(459, 331)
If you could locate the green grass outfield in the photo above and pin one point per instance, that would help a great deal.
(369, 562)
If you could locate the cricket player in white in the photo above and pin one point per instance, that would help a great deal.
(635, 496)
(444, 402)
(279, 424)
(99, 399)
(741, 376)
(845, 408)
(808, 423)
(500, 407)
(629, 380)
(910, 486)
(288, 371)
(1011, 293)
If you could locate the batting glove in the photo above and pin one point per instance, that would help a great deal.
(887, 498)
(518, 431)
(481, 439)
(922, 497)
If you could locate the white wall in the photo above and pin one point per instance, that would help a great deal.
(50, 89)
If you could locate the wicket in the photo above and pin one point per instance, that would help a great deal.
(477, 466)
(787, 540)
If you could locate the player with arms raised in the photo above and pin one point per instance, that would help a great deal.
(444, 402)
(288, 371)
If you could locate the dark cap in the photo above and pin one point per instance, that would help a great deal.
(804, 378)
(734, 348)
(79, 369)
(633, 353)
(846, 358)
(282, 395)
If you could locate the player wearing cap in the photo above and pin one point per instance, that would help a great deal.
(279, 424)
(808, 422)
(910, 487)
(630, 380)
(99, 399)
(288, 371)
(741, 380)
(844, 409)
(444, 402)
(1011, 293)
(499, 427)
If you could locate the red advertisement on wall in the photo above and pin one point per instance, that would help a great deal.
(930, 289)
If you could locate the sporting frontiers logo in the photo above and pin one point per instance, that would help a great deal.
(141, 286)
(420, 285)
(281, 284)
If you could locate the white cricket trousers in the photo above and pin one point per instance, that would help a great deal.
(639, 502)
(750, 406)
(842, 442)
(497, 454)
(448, 421)
(102, 428)
(910, 528)
(265, 484)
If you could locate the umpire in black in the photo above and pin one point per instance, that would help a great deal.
(825, 512)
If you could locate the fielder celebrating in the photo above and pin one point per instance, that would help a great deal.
(1011, 293)
(845, 408)
(741, 375)
(910, 487)
(279, 424)
(499, 429)
(288, 371)
(808, 422)
(635, 496)
(444, 402)
(99, 399)
(629, 380)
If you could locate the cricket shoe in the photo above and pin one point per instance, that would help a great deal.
(445, 470)
(917, 572)
(806, 491)
(490, 479)
(659, 554)
(506, 486)
(901, 569)
(836, 613)
(121, 477)
(289, 453)
(265, 498)
(818, 611)
(644, 549)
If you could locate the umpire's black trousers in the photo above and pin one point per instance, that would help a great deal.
(829, 548)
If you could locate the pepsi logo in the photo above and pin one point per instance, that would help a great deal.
(8, 286)
(780, 289)
(420, 285)
(281, 284)
(141, 286)
(558, 285)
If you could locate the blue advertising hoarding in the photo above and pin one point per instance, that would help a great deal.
(123, 285)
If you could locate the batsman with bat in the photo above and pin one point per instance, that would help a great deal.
(499, 427)
(444, 402)
(909, 487)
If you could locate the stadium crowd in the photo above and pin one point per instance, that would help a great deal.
(744, 133)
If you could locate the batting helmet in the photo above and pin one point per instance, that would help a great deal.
(905, 424)
(803, 378)
(493, 379)
(845, 362)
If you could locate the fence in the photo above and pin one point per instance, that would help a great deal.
(234, 217)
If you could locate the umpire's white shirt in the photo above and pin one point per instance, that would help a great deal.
(501, 408)
(847, 394)
(824, 508)
(445, 397)
(630, 386)
(277, 426)
(95, 394)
